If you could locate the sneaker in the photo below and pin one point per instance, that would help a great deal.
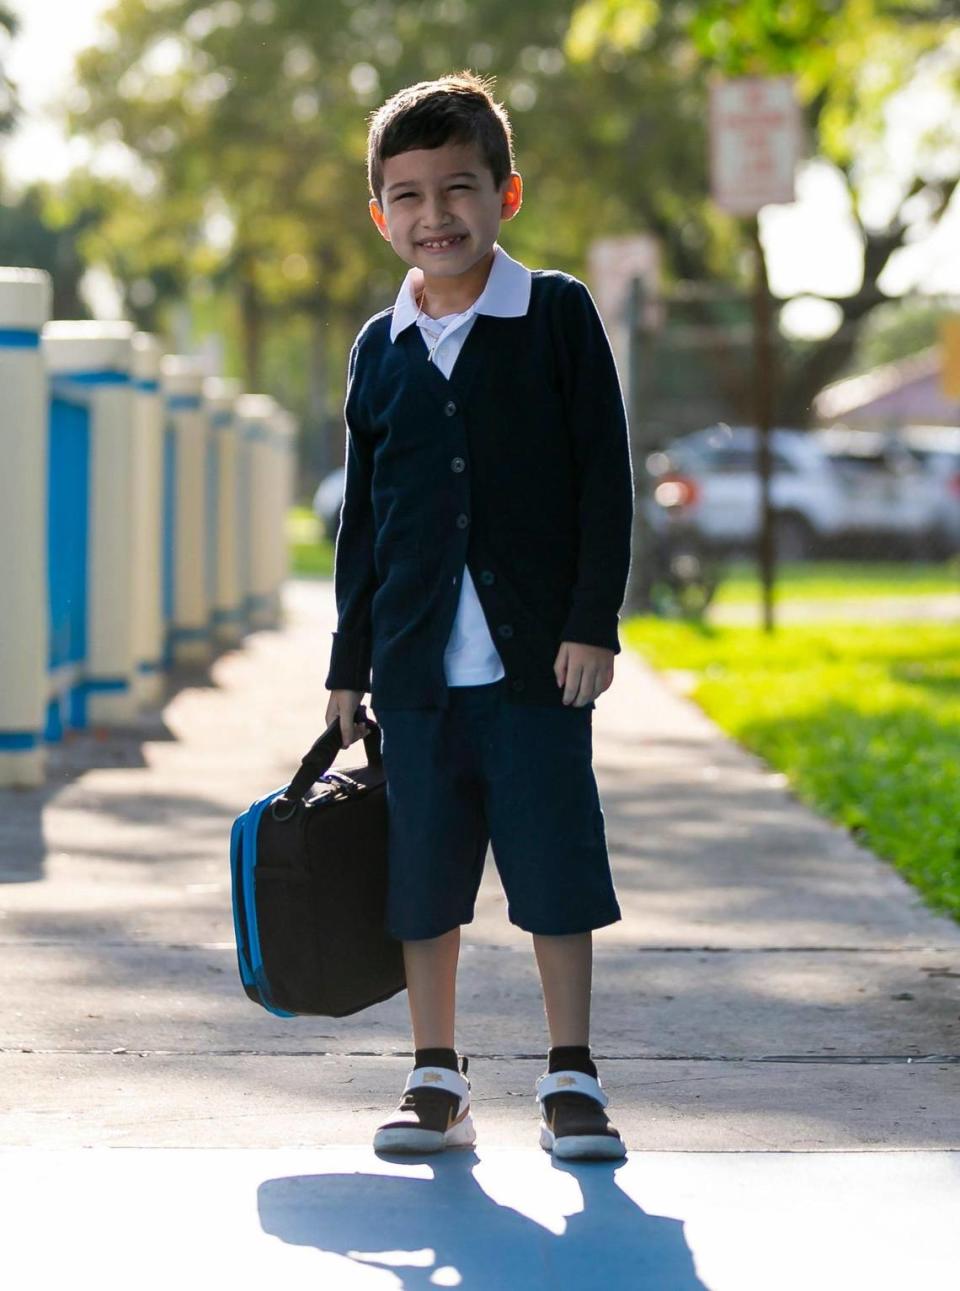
(573, 1123)
(433, 1114)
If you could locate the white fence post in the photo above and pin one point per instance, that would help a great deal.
(287, 429)
(89, 364)
(220, 395)
(148, 628)
(186, 600)
(255, 413)
(25, 296)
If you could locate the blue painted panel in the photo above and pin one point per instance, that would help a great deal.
(68, 531)
(19, 338)
(169, 517)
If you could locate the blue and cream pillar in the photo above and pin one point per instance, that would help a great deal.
(220, 396)
(255, 414)
(89, 364)
(286, 430)
(186, 598)
(25, 296)
(148, 623)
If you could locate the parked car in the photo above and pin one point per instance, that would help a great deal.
(937, 449)
(887, 493)
(826, 486)
(327, 501)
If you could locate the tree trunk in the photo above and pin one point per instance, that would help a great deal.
(251, 327)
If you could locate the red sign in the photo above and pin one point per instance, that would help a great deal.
(755, 140)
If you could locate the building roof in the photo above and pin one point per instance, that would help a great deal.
(895, 393)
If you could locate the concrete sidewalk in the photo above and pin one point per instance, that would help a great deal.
(776, 1020)
(772, 986)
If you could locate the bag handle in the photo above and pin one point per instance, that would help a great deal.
(318, 758)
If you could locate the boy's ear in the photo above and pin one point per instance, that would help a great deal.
(378, 217)
(512, 196)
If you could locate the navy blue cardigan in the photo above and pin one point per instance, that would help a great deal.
(518, 465)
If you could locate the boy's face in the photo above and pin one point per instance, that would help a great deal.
(430, 194)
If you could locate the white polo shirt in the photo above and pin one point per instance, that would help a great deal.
(470, 657)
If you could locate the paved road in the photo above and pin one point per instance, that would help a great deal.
(777, 1020)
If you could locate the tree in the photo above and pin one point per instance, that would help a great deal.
(9, 106)
(848, 57)
(30, 240)
(254, 118)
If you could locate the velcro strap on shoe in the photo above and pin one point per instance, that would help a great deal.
(570, 1082)
(438, 1078)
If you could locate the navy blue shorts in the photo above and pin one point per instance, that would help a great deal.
(487, 771)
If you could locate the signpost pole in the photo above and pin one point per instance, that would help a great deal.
(763, 401)
(755, 140)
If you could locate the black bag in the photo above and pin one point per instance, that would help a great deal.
(308, 867)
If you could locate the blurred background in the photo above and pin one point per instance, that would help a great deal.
(198, 169)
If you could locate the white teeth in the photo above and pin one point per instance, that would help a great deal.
(445, 243)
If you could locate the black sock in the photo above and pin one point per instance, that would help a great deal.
(436, 1058)
(572, 1057)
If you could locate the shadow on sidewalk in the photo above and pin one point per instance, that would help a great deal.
(439, 1226)
(23, 848)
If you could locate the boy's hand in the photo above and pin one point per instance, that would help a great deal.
(343, 704)
(584, 671)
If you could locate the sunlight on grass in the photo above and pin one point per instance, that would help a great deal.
(311, 555)
(863, 720)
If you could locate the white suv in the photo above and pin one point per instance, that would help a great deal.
(824, 485)
(937, 449)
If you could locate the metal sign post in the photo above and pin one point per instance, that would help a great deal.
(763, 415)
(754, 147)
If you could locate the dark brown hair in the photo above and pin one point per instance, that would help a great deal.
(452, 109)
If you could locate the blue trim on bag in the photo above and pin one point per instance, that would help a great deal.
(245, 848)
(236, 863)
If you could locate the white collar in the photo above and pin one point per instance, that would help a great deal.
(506, 294)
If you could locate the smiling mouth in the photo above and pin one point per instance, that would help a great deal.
(442, 244)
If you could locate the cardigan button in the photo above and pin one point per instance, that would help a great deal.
(458, 464)
(486, 577)
(462, 521)
(516, 684)
(505, 629)
(450, 408)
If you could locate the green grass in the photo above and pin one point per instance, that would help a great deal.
(840, 580)
(311, 555)
(863, 720)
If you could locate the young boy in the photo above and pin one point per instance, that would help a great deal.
(480, 568)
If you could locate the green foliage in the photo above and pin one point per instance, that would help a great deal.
(28, 238)
(9, 106)
(311, 555)
(863, 721)
(847, 56)
(895, 330)
(839, 581)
